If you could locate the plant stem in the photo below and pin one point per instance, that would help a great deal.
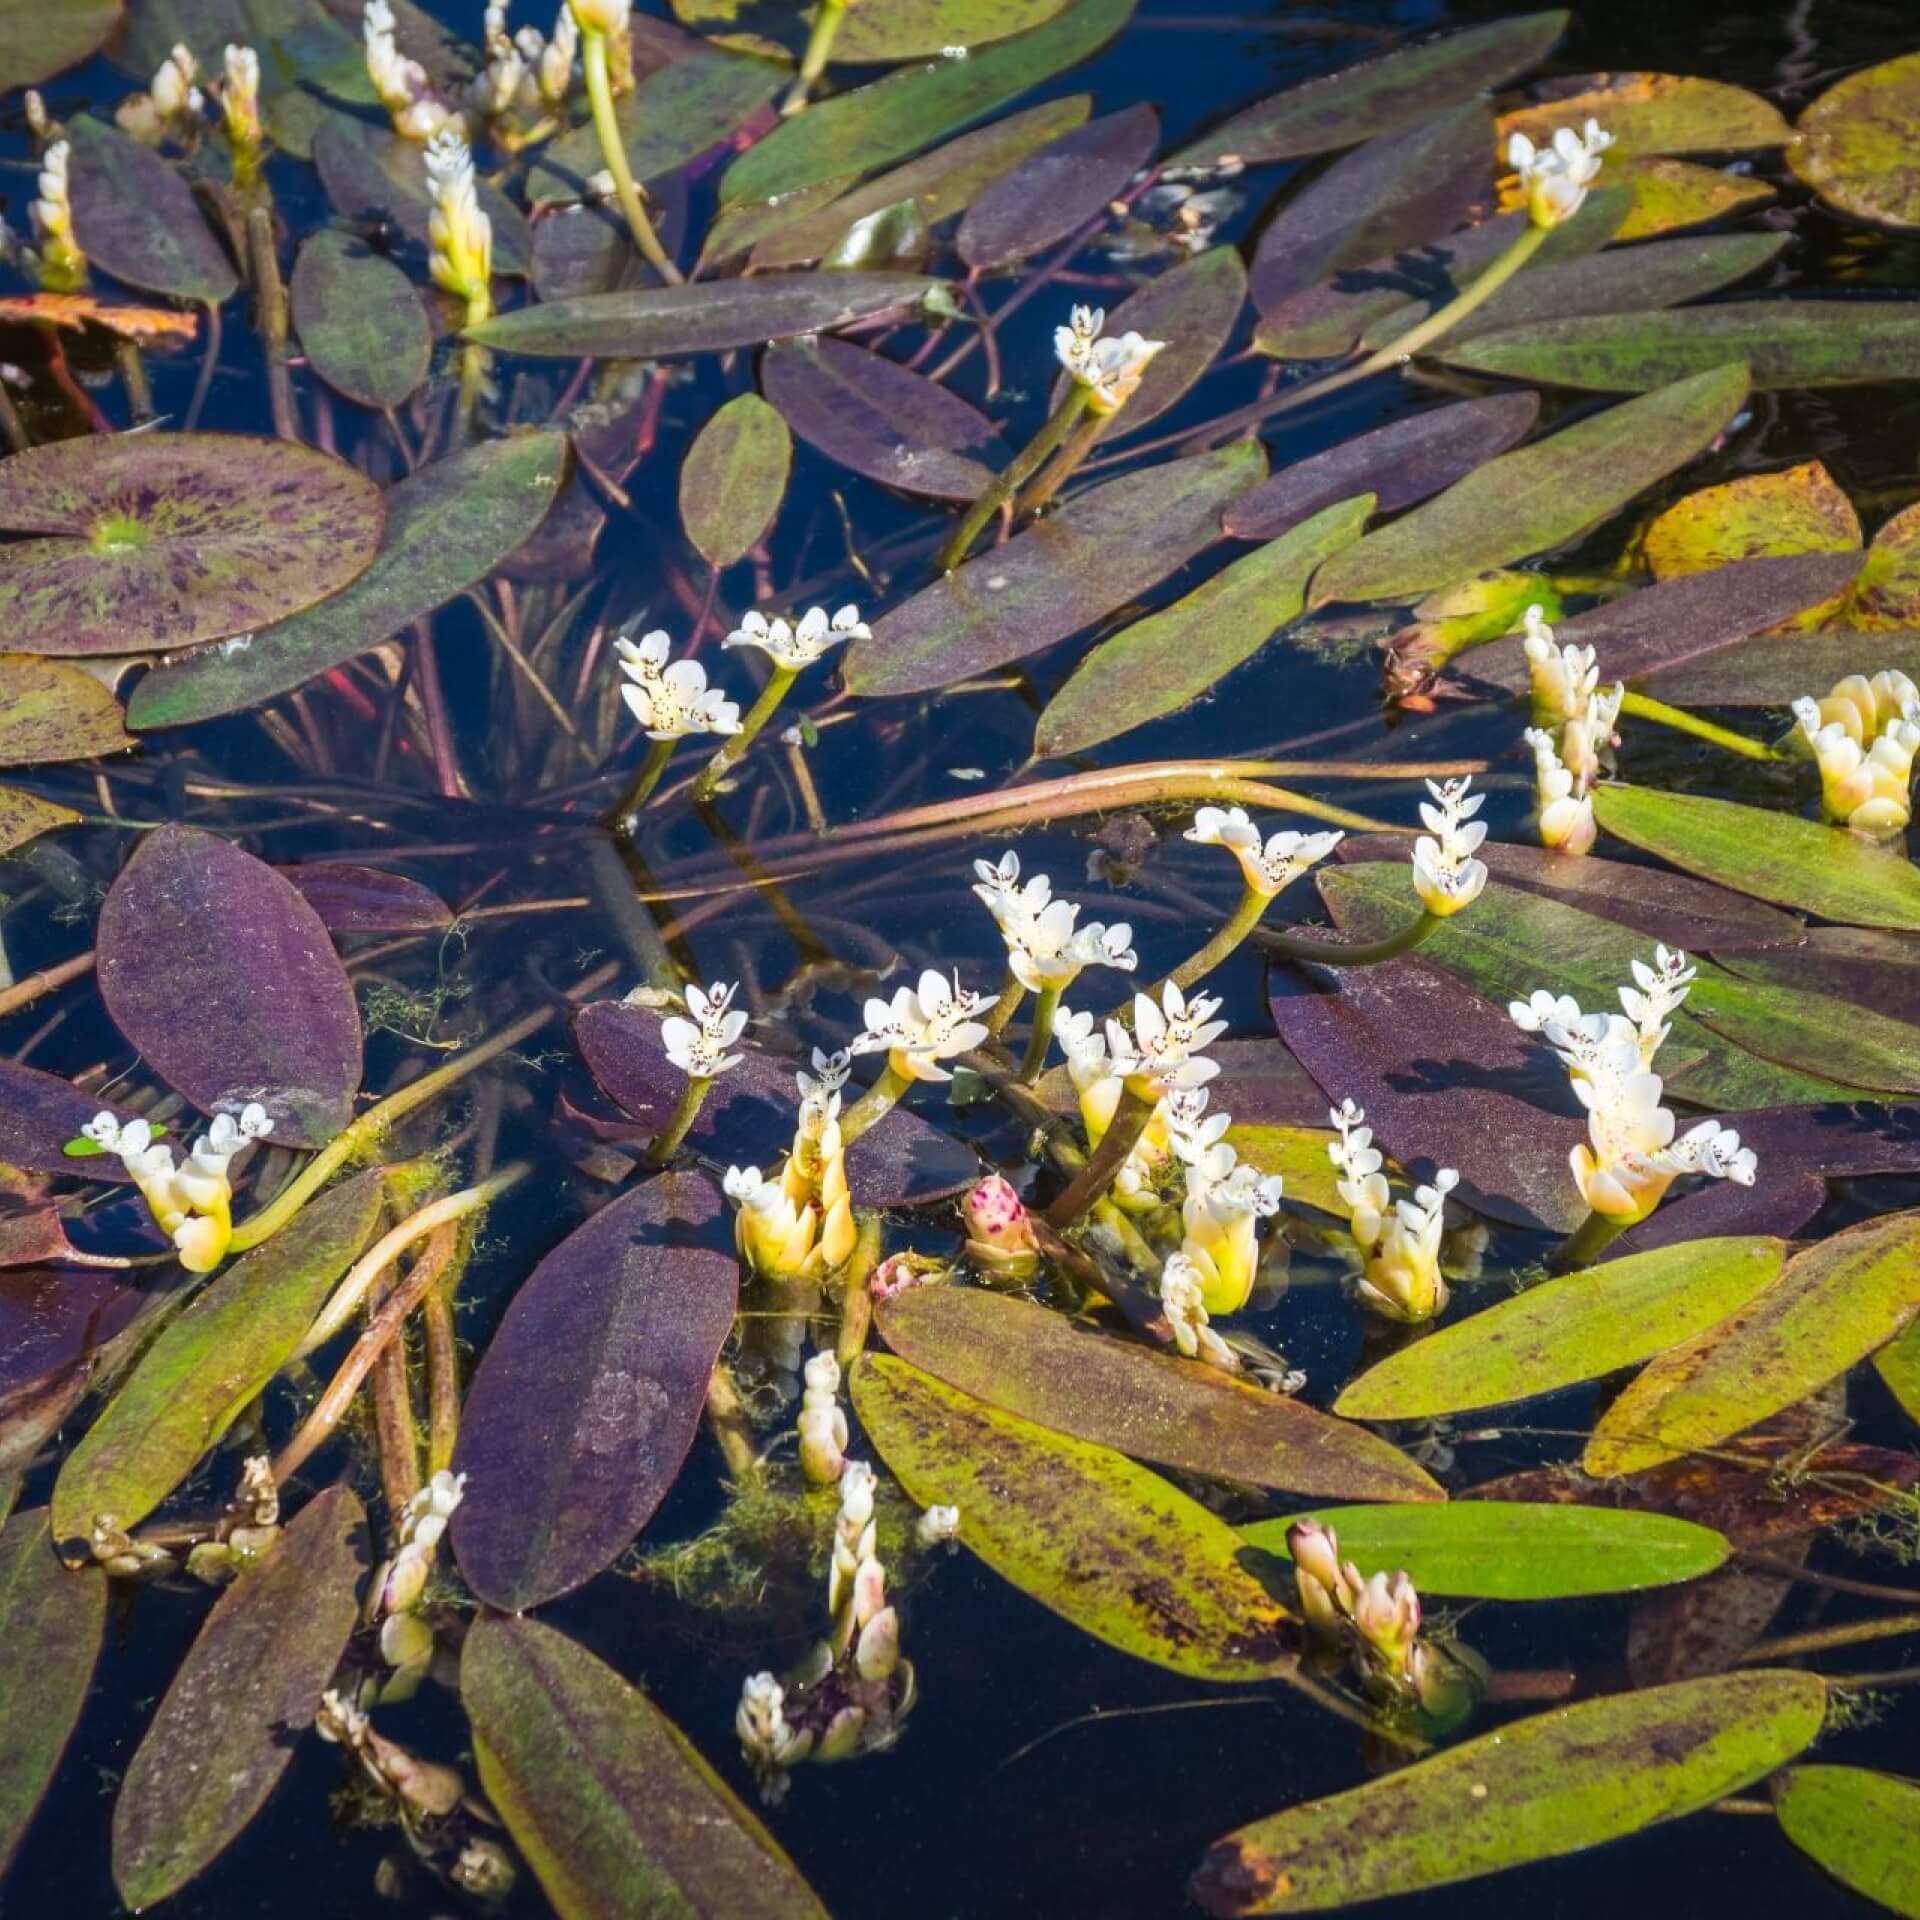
(1019, 471)
(270, 305)
(732, 748)
(443, 1370)
(1644, 708)
(1006, 1006)
(874, 1104)
(593, 54)
(727, 1421)
(1123, 1133)
(1196, 966)
(1823, 1639)
(1326, 953)
(1587, 1242)
(627, 813)
(813, 63)
(1041, 1038)
(856, 1302)
(666, 1142)
(395, 1430)
(1061, 468)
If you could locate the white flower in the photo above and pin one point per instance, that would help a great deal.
(1445, 874)
(922, 1026)
(938, 1527)
(1402, 1278)
(1162, 1053)
(1563, 677)
(459, 235)
(1555, 180)
(401, 84)
(1567, 824)
(1115, 368)
(1268, 869)
(822, 1426)
(799, 646)
(1657, 994)
(1363, 1187)
(1045, 945)
(698, 1047)
(829, 1075)
(1182, 1300)
(1863, 707)
(1073, 344)
(52, 210)
(240, 97)
(673, 701)
(1864, 736)
(553, 61)
(1224, 1204)
(173, 91)
(770, 1745)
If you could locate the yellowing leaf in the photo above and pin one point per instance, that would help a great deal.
(150, 326)
(1669, 195)
(1650, 113)
(1858, 145)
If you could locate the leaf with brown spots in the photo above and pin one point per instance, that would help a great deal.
(51, 712)
(25, 816)
(148, 326)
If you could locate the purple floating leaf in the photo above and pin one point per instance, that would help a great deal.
(222, 976)
(352, 899)
(1400, 464)
(590, 1394)
(1056, 191)
(1879, 970)
(51, 1325)
(748, 1116)
(1835, 1142)
(881, 419)
(40, 1113)
(1446, 1079)
(1779, 1206)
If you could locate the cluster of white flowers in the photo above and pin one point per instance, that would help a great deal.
(192, 1203)
(671, 699)
(1630, 1157)
(1863, 736)
(1109, 367)
(1046, 947)
(822, 1426)
(1574, 720)
(922, 1026)
(172, 103)
(401, 84)
(240, 99)
(406, 1639)
(1555, 178)
(63, 266)
(1183, 1300)
(796, 646)
(459, 233)
(1224, 1202)
(800, 1226)
(1399, 1240)
(698, 1046)
(1270, 867)
(1446, 875)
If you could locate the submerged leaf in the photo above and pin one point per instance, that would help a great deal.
(734, 478)
(1858, 1825)
(24, 817)
(360, 320)
(353, 899)
(137, 219)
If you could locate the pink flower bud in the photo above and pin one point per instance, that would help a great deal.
(996, 1216)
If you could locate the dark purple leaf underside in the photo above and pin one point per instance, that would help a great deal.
(40, 1113)
(351, 899)
(1056, 191)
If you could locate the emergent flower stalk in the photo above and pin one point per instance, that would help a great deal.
(601, 22)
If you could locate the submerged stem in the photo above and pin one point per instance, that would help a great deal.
(666, 1143)
(593, 55)
(659, 752)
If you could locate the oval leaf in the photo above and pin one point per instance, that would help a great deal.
(1194, 308)
(591, 1392)
(1111, 1548)
(614, 1809)
(40, 1113)
(1854, 146)
(1056, 191)
(352, 899)
(249, 1686)
(1654, 113)
(213, 965)
(1859, 1825)
(1535, 1790)
(734, 478)
(24, 817)
(1028, 1360)
(360, 320)
(50, 711)
(137, 219)
(36, 42)
(918, 29)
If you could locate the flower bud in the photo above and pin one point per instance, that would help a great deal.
(1000, 1236)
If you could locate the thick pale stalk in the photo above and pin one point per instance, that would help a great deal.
(735, 746)
(875, 1104)
(1123, 1133)
(732, 1430)
(1586, 1243)
(1062, 467)
(593, 55)
(1642, 707)
(856, 1302)
(1041, 1038)
(813, 63)
(666, 1142)
(1019, 471)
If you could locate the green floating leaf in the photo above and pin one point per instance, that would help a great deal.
(1061, 575)
(1773, 856)
(50, 711)
(1830, 1307)
(1537, 1789)
(919, 29)
(158, 540)
(51, 1622)
(1649, 113)
(874, 125)
(24, 817)
(1899, 1366)
(204, 1368)
(137, 218)
(734, 478)
(1668, 195)
(1514, 1549)
(1028, 1360)
(1786, 343)
(360, 320)
(1165, 662)
(37, 41)
(448, 527)
(1375, 96)
(249, 1686)
(1575, 1328)
(1859, 1825)
(613, 1807)
(1537, 497)
(9, 1493)
(1855, 146)
(1298, 1155)
(1113, 1549)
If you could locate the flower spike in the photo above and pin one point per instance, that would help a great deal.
(1445, 874)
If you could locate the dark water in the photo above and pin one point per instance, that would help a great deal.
(1041, 1774)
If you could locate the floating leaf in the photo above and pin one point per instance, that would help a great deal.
(1578, 1327)
(1535, 1789)
(157, 540)
(1777, 1207)
(1797, 510)
(1877, 969)
(51, 1622)
(216, 969)
(874, 125)
(1774, 670)
(1540, 496)
(56, 1325)
(249, 1686)
(882, 419)
(1298, 1155)
(360, 321)
(1194, 308)
(613, 1807)
(591, 1392)
(205, 1368)
(1376, 96)
(1028, 1360)
(36, 41)
(1105, 546)
(1785, 343)
(75, 312)
(1830, 1307)
(1671, 194)
(1858, 1825)
(50, 711)
(1774, 856)
(137, 218)
(1514, 1550)
(1899, 1366)
(734, 478)
(40, 1113)
(351, 899)
(1115, 1550)
(749, 1112)
(448, 527)
(1654, 113)
(1855, 145)
(1165, 662)
(1400, 464)
(919, 29)
(1056, 191)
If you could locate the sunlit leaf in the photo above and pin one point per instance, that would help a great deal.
(250, 1684)
(24, 817)
(1056, 191)
(38, 41)
(157, 540)
(75, 312)
(918, 29)
(1796, 510)
(354, 899)
(591, 1391)
(1830, 1307)
(1536, 1789)
(137, 219)
(1514, 1550)
(448, 526)
(1855, 145)
(51, 1623)
(1061, 575)
(1165, 662)
(217, 970)
(1877, 968)
(1539, 496)
(1297, 1154)
(1858, 1825)
(1028, 1360)
(734, 478)
(1578, 1327)
(1649, 113)
(1887, 594)
(360, 320)
(1774, 670)
(1899, 1366)
(612, 1805)
(50, 711)
(204, 1368)
(1192, 307)
(1117, 1551)
(1670, 195)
